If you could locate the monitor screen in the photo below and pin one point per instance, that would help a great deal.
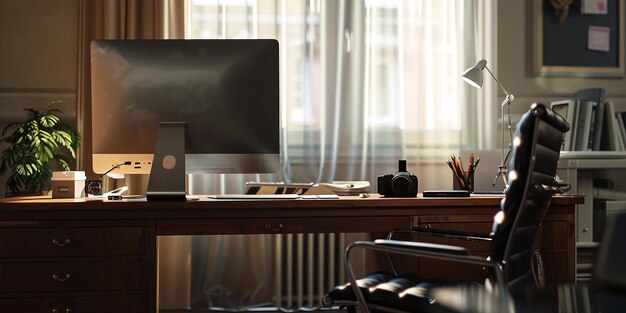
(225, 91)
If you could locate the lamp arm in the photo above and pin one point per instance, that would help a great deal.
(499, 83)
(502, 168)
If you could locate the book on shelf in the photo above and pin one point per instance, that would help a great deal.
(591, 102)
(597, 127)
(612, 135)
(566, 109)
(583, 125)
(595, 96)
(621, 120)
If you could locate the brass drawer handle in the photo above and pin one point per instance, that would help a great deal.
(274, 228)
(59, 311)
(61, 243)
(59, 278)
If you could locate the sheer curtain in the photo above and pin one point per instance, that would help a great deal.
(365, 83)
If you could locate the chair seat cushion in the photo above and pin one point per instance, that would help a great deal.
(344, 293)
(405, 292)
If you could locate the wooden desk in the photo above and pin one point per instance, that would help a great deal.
(77, 254)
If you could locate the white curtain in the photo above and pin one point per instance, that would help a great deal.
(365, 83)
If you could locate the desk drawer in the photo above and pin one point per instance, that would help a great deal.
(67, 242)
(74, 276)
(92, 304)
(470, 223)
(283, 225)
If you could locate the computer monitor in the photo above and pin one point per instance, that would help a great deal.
(225, 91)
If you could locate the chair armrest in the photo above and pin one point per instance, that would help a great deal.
(423, 246)
(555, 188)
(455, 234)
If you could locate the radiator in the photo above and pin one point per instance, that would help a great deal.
(234, 272)
(307, 266)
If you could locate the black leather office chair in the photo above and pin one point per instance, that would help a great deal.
(531, 185)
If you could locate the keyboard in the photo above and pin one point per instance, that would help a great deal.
(255, 196)
(270, 196)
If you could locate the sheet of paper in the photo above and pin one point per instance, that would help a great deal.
(593, 7)
(599, 38)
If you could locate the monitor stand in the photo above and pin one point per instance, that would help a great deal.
(167, 176)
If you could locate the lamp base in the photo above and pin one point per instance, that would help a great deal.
(502, 170)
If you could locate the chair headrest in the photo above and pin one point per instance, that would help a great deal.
(539, 110)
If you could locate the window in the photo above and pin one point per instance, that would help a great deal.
(374, 77)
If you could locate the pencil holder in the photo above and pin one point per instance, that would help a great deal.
(466, 184)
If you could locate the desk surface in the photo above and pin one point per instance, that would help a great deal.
(347, 214)
(11, 208)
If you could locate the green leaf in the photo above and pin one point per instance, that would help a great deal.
(30, 169)
(19, 168)
(49, 143)
(35, 142)
(49, 120)
(48, 152)
(44, 134)
(64, 164)
(64, 136)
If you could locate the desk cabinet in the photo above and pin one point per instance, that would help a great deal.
(71, 256)
(76, 266)
(554, 244)
(454, 270)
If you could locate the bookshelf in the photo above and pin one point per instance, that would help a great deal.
(593, 162)
(597, 176)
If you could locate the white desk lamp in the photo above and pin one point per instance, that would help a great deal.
(474, 77)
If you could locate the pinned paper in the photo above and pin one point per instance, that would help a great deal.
(599, 38)
(593, 7)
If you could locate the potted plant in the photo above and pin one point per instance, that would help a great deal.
(36, 146)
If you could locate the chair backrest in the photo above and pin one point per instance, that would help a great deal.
(532, 168)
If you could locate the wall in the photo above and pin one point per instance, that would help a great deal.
(37, 55)
(37, 58)
(515, 63)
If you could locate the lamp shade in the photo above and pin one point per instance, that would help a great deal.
(474, 74)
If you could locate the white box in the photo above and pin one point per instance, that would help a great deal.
(70, 184)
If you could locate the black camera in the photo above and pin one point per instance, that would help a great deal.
(400, 184)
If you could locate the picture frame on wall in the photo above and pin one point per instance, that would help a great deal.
(569, 43)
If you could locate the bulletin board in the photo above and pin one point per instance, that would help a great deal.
(568, 46)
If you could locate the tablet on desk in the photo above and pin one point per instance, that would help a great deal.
(446, 193)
